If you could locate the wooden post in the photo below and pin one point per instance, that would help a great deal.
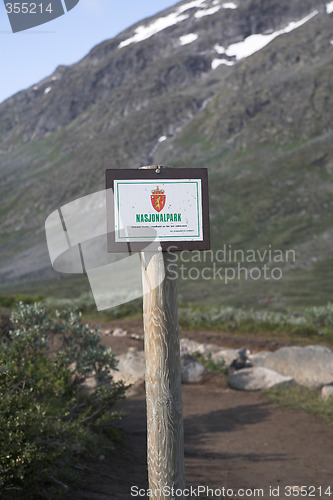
(165, 434)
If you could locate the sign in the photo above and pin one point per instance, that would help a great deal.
(165, 206)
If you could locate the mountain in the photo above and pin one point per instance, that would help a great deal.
(244, 88)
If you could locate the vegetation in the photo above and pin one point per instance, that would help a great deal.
(218, 367)
(47, 420)
(314, 323)
(304, 399)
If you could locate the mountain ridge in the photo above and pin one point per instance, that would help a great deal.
(111, 108)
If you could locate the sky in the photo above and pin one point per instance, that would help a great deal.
(28, 56)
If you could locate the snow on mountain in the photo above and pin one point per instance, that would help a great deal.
(256, 42)
(191, 37)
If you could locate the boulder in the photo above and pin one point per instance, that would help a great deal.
(236, 359)
(310, 366)
(119, 332)
(226, 355)
(192, 372)
(188, 346)
(327, 392)
(257, 378)
(131, 367)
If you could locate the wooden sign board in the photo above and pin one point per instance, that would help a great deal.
(161, 208)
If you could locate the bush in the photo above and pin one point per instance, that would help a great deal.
(46, 419)
(309, 323)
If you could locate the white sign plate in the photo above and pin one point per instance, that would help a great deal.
(169, 209)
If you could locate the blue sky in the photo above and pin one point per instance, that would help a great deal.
(28, 56)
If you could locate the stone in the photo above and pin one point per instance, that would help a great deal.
(310, 366)
(226, 355)
(327, 392)
(257, 378)
(131, 367)
(188, 346)
(192, 372)
(233, 358)
(119, 332)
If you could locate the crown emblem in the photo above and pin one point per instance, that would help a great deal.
(157, 191)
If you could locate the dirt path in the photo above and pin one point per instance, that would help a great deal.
(232, 439)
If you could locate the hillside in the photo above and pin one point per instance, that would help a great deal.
(189, 87)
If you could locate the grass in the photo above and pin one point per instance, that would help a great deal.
(312, 325)
(302, 399)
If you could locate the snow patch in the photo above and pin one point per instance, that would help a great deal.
(217, 62)
(144, 32)
(329, 8)
(190, 5)
(254, 43)
(47, 90)
(207, 12)
(219, 49)
(229, 5)
(191, 37)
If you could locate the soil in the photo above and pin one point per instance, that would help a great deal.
(233, 439)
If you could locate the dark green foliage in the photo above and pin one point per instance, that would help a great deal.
(10, 301)
(46, 419)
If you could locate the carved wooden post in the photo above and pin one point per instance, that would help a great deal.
(165, 439)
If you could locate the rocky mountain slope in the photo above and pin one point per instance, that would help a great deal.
(243, 88)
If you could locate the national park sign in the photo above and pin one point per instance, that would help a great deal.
(162, 205)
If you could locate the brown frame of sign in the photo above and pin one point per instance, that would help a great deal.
(159, 174)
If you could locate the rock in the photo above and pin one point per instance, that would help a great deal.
(188, 346)
(233, 358)
(257, 378)
(107, 332)
(258, 357)
(226, 355)
(327, 392)
(136, 336)
(119, 332)
(311, 366)
(131, 367)
(192, 372)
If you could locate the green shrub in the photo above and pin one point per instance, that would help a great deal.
(10, 301)
(46, 419)
(311, 323)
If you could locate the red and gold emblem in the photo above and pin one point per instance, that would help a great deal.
(158, 199)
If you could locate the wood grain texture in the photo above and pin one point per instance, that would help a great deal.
(163, 376)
